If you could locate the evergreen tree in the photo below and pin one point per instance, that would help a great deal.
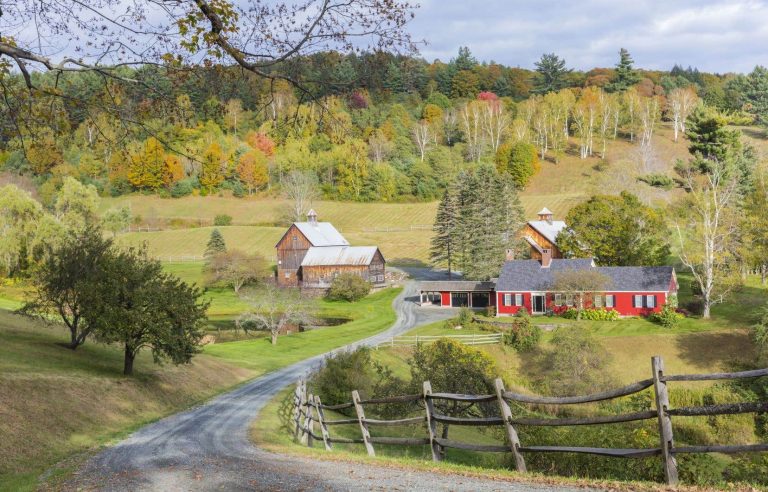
(465, 60)
(215, 244)
(626, 75)
(551, 74)
(393, 79)
(709, 136)
(445, 241)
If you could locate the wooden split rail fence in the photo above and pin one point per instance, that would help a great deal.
(309, 410)
(411, 340)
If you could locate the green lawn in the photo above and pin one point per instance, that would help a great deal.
(368, 317)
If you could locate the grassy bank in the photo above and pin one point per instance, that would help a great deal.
(57, 403)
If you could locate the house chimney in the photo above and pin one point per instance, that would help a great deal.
(545, 214)
(546, 257)
(312, 217)
(510, 254)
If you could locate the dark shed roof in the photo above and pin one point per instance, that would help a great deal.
(528, 275)
(456, 286)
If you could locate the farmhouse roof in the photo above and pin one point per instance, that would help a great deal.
(339, 255)
(321, 234)
(529, 276)
(456, 286)
(548, 229)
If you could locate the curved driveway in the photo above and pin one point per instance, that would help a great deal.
(207, 447)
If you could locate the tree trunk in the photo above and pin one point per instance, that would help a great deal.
(274, 338)
(73, 343)
(763, 274)
(705, 312)
(130, 355)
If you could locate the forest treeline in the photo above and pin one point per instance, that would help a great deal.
(374, 127)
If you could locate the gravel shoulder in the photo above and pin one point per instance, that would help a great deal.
(207, 447)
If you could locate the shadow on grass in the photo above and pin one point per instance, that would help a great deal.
(713, 349)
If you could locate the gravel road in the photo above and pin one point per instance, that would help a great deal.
(207, 447)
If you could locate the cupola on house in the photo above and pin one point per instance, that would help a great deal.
(311, 254)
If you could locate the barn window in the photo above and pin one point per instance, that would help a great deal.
(287, 274)
(650, 301)
(598, 301)
(518, 299)
(638, 301)
(610, 300)
(295, 238)
(507, 299)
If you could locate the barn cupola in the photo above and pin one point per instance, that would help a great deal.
(312, 217)
(545, 214)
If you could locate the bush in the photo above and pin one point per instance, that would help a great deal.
(658, 181)
(592, 314)
(579, 363)
(348, 287)
(523, 335)
(182, 188)
(490, 311)
(222, 220)
(668, 317)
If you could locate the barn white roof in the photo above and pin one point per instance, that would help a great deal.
(321, 234)
(339, 255)
(548, 229)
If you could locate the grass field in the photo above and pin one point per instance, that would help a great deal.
(57, 403)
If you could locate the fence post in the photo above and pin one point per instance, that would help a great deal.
(429, 408)
(297, 410)
(323, 427)
(303, 439)
(665, 422)
(363, 425)
(506, 414)
(309, 423)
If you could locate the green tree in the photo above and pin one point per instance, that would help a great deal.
(709, 136)
(754, 227)
(464, 84)
(626, 75)
(452, 367)
(579, 363)
(446, 238)
(582, 285)
(393, 78)
(273, 309)
(76, 204)
(235, 269)
(348, 287)
(752, 93)
(116, 220)
(19, 219)
(144, 307)
(67, 284)
(215, 244)
(465, 60)
(615, 231)
(211, 173)
(551, 74)
(520, 160)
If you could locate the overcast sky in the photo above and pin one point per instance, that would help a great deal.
(713, 35)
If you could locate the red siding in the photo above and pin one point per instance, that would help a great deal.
(622, 304)
(502, 309)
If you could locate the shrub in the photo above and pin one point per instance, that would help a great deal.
(523, 335)
(490, 311)
(570, 313)
(658, 181)
(579, 363)
(598, 314)
(222, 220)
(348, 287)
(668, 317)
(182, 188)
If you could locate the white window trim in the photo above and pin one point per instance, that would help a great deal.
(507, 299)
(558, 299)
(598, 301)
(519, 300)
(650, 301)
(610, 301)
(637, 300)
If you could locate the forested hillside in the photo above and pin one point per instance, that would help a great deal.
(380, 127)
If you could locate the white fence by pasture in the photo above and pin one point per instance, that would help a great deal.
(413, 340)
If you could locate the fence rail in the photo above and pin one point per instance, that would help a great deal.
(412, 340)
(308, 410)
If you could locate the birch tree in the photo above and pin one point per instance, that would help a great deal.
(422, 137)
(272, 310)
(631, 103)
(708, 231)
(495, 122)
(680, 104)
(473, 130)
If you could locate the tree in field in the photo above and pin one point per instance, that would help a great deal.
(446, 238)
(551, 74)
(451, 367)
(235, 269)
(67, 284)
(707, 231)
(582, 285)
(615, 231)
(300, 189)
(145, 308)
(626, 75)
(116, 220)
(272, 309)
(216, 244)
(212, 168)
(19, 219)
(681, 102)
(579, 363)
(147, 167)
(76, 204)
(348, 287)
(519, 160)
(252, 170)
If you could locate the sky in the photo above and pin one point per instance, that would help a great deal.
(712, 35)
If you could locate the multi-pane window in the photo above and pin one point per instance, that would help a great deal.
(610, 300)
(518, 299)
(507, 299)
(569, 300)
(637, 301)
(598, 302)
(650, 301)
(558, 299)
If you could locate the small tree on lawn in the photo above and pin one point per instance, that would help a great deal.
(144, 307)
(578, 362)
(116, 220)
(215, 244)
(348, 287)
(272, 309)
(235, 269)
(66, 284)
(581, 284)
(453, 368)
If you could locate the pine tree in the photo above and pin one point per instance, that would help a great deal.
(445, 241)
(215, 244)
(393, 79)
(551, 74)
(626, 75)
